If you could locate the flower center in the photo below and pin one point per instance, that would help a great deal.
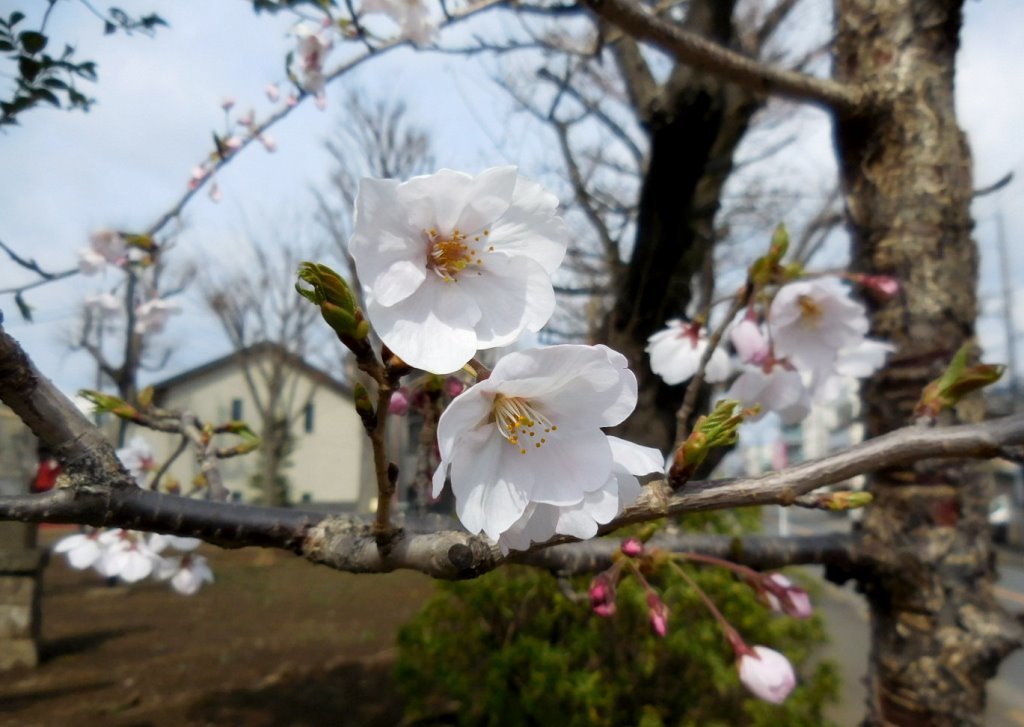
(449, 255)
(520, 423)
(810, 312)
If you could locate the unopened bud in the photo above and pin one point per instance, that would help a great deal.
(632, 547)
(657, 614)
(602, 595)
(957, 381)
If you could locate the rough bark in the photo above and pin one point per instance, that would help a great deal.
(694, 123)
(938, 632)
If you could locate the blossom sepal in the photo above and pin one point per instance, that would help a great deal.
(106, 403)
(337, 304)
(956, 382)
(717, 429)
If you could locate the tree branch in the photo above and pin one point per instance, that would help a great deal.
(698, 52)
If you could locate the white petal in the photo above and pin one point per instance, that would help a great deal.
(489, 495)
(467, 411)
(382, 233)
(431, 329)
(567, 466)
(399, 281)
(450, 200)
(863, 359)
(636, 458)
(513, 294)
(531, 227)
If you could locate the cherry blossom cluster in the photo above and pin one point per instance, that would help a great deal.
(795, 345)
(131, 557)
(451, 264)
(136, 254)
(766, 673)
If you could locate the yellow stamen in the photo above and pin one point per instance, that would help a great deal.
(515, 416)
(810, 312)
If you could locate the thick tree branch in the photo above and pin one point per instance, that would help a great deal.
(698, 52)
(101, 493)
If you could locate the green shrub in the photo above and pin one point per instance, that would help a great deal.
(511, 649)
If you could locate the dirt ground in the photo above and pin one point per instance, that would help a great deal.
(275, 641)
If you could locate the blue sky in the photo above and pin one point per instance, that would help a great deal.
(158, 100)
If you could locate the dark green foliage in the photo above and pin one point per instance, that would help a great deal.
(44, 78)
(511, 649)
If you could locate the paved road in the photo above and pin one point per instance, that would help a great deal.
(847, 619)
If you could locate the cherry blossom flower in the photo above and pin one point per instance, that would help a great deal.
(127, 556)
(106, 305)
(453, 263)
(412, 16)
(106, 246)
(766, 673)
(152, 316)
(138, 459)
(776, 387)
(750, 343)
(83, 550)
(786, 597)
(313, 46)
(811, 320)
(676, 351)
(530, 434)
(187, 574)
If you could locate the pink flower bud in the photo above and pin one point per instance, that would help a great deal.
(766, 673)
(273, 92)
(233, 143)
(784, 597)
(602, 595)
(198, 175)
(453, 386)
(247, 118)
(750, 344)
(882, 286)
(227, 103)
(658, 614)
(215, 193)
(399, 403)
(292, 99)
(632, 547)
(321, 101)
(269, 142)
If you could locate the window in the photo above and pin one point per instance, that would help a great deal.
(236, 409)
(308, 418)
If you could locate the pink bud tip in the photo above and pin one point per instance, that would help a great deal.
(321, 101)
(658, 614)
(399, 405)
(273, 92)
(767, 674)
(632, 547)
(884, 286)
(292, 100)
(453, 386)
(602, 595)
(227, 103)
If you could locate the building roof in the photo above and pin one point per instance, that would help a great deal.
(261, 349)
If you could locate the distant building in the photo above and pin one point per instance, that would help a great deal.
(330, 464)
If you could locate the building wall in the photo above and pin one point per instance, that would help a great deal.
(326, 464)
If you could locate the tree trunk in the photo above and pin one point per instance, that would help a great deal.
(938, 632)
(694, 130)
